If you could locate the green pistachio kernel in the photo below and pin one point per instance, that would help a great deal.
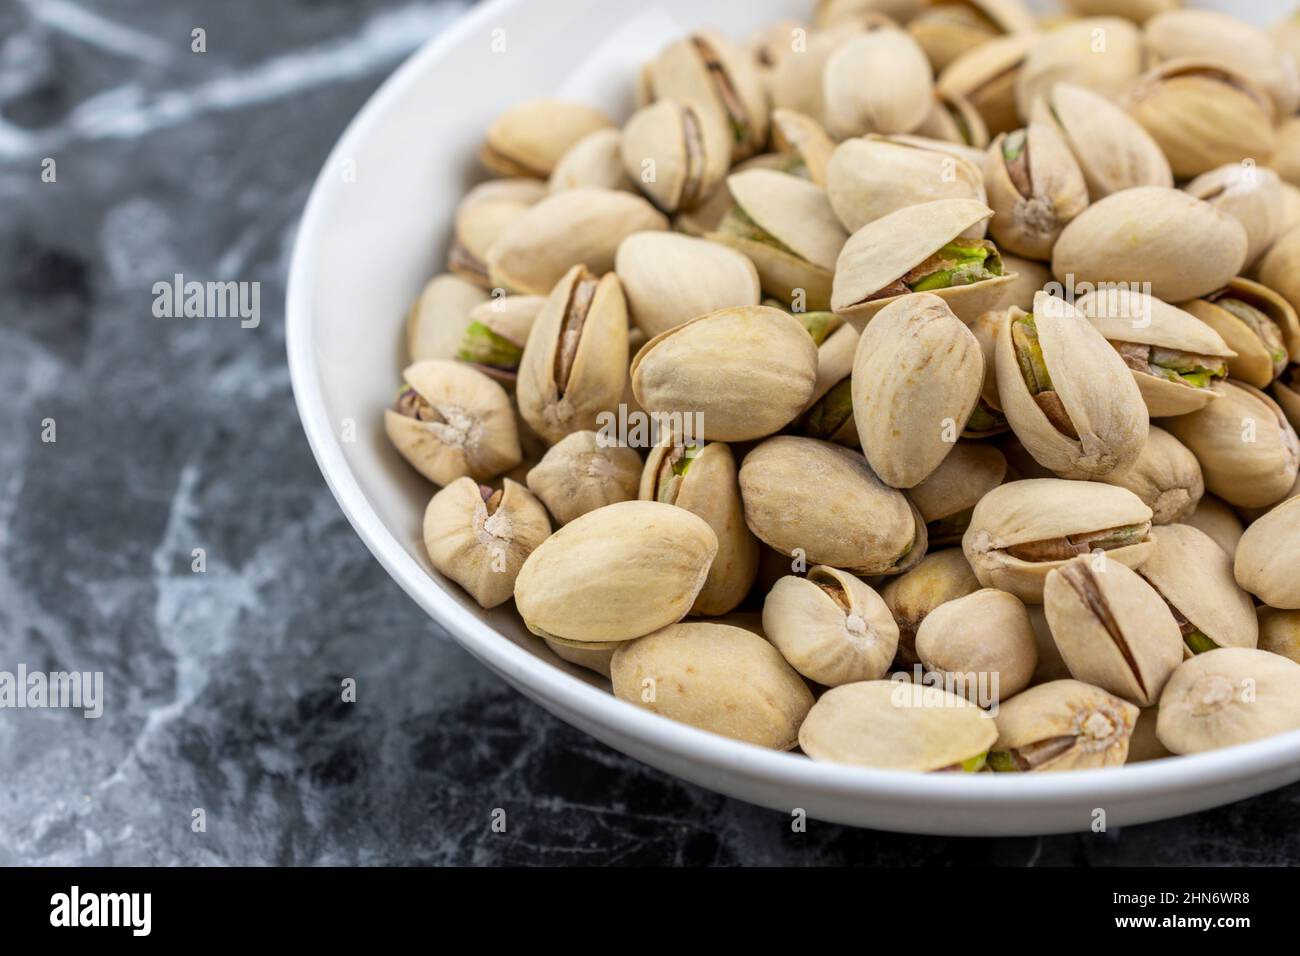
(985, 418)
(737, 223)
(828, 414)
(482, 346)
(1199, 642)
(1002, 761)
(1029, 353)
(1014, 145)
(974, 764)
(820, 325)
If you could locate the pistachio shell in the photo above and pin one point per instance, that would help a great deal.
(676, 154)
(1286, 157)
(800, 134)
(438, 318)
(1267, 563)
(878, 82)
(1280, 270)
(1166, 476)
(595, 658)
(1256, 361)
(530, 137)
(1279, 632)
(593, 162)
(939, 577)
(954, 119)
(616, 573)
(1028, 278)
(1139, 11)
(579, 474)
(1228, 696)
(830, 12)
(719, 678)
(794, 81)
(482, 216)
(1098, 53)
(508, 319)
(1286, 392)
(983, 640)
(969, 472)
(796, 212)
(947, 30)
(1183, 247)
(1035, 195)
(1251, 195)
(1063, 725)
(1218, 521)
(867, 179)
(987, 77)
(835, 361)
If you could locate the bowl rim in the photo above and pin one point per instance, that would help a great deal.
(518, 665)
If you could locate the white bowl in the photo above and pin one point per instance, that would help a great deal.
(375, 230)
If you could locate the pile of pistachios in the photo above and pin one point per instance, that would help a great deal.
(916, 386)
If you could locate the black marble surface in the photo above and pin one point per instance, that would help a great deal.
(222, 688)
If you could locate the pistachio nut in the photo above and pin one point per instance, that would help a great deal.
(1175, 358)
(1286, 392)
(1035, 187)
(1248, 451)
(970, 154)
(954, 119)
(1286, 158)
(1203, 114)
(982, 643)
(1286, 33)
(1028, 278)
(529, 138)
(1112, 628)
(439, 318)
(1166, 476)
(1139, 11)
(830, 417)
(794, 80)
(594, 658)
(1067, 394)
(573, 227)
(949, 494)
(987, 419)
(1267, 563)
(1114, 152)
(1181, 246)
(1229, 696)
(1251, 195)
(616, 573)
(480, 538)
(830, 12)
(947, 30)
(1144, 744)
(670, 279)
(870, 178)
(706, 71)
(1218, 521)
(1194, 577)
(494, 340)
(1022, 530)
(940, 577)
(837, 344)
(1280, 270)
(1279, 631)
(831, 627)
(893, 725)
(852, 520)
(745, 371)
(703, 480)
(573, 367)
(675, 153)
(919, 249)
(482, 216)
(987, 76)
(581, 473)
(1072, 54)
(715, 677)
(877, 82)
(593, 162)
(1256, 323)
(452, 421)
(1062, 725)
(786, 226)
(802, 136)
(916, 378)
(1290, 203)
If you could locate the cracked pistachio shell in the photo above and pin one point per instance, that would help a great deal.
(894, 725)
(870, 178)
(573, 227)
(1070, 54)
(616, 573)
(709, 488)
(509, 319)
(529, 138)
(675, 153)
(579, 474)
(1139, 11)
(987, 77)
(670, 279)
(803, 137)
(1267, 563)
(1112, 628)
(1248, 451)
(969, 472)
(1021, 531)
(1251, 195)
(877, 82)
(1194, 577)
(1035, 195)
(596, 658)
(945, 31)
(467, 428)
(1279, 631)
(1181, 245)
(984, 640)
(1166, 476)
(1255, 362)
(1228, 696)
(437, 320)
(941, 576)
(882, 252)
(480, 538)
(573, 364)
(483, 215)
(716, 677)
(746, 371)
(915, 141)
(1219, 521)
(1028, 277)
(825, 500)
(1203, 115)
(1280, 270)
(1127, 318)
(1089, 388)
(831, 627)
(593, 162)
(1063, 725)
(1286, 158)
(954, 119)
(916, 378)
(1114, 152)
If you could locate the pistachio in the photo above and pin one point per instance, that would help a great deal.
(1267, 563)
(746, 371)
(954, 119)
(1286, 158)
(439, 318)
(1112, 628)
(837, 344)
(1279, 631)
(982, 643)
(1286, 392)
(616, 573)
(1251, 195)
(1256, 322)
(987, 77)
(494, 340)
(482, 216)
(1280, 270)
(529, 138)
(1218, 521)
(579, 474)
(1166, 476)
(853, 520)
(1144, 744)
(892, 725)
(451, 421)
(676, 154)
(1062, 725)
(794, 81)
(940, 577)
(480, 538)
(573, 364)
(593, 162)
(877, 82)
(1228, 696)
(1072, 54)
(949, 494)
(1021, 531)
(831, 627)
(830, 12)
(715, 677)
(947, 30)
(830, 417)
(916, 379)
(1139, 11)
(1035, 189)
(802, 136)
(1051, 666)
(595, 657)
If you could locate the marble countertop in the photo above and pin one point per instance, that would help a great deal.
(222, 688)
